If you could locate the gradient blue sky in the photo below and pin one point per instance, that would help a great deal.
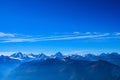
(69, 26)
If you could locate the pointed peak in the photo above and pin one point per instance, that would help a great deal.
(31, 54)
(19, 55)
(42, 54)
(19, 52)
(58, 53)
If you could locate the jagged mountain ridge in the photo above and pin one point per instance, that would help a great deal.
(112, 57)
(63, 64)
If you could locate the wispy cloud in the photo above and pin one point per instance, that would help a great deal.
(6, 34)
(20, 40)
(117, 33)
(35, 38)
(76, 32)
(77, 37)
(88, 33)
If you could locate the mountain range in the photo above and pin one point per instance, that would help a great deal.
(67, 69)
(19, 66)
(20, 57)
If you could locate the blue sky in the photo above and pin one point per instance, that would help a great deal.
(69, 26)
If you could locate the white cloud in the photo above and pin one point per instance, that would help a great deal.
(6, 34)
(19, 40)
(35, 38)
(88, 33)
(117, 33)
(77, 37)
(54, 38)
(95, 33)
(76, 32)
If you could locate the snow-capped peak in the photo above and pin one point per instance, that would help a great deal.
(58, 55)
(19, 55)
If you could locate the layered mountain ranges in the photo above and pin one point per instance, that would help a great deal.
(20, 57)
(19, 66)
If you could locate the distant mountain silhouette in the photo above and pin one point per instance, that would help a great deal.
(112, 57)
(66, 69)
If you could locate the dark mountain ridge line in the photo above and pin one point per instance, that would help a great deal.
(67, 66)
(21, 58)
(56, 61)
(59, 54)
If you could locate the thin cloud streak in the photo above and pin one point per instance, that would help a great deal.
(7, 38)
(78, 37)
(6, 34)
(66, 37)
(19, 40)
(117, 34)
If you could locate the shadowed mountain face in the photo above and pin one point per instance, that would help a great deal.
(7, 65)
(66, 69)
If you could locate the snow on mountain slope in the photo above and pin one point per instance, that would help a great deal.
(112, 57)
